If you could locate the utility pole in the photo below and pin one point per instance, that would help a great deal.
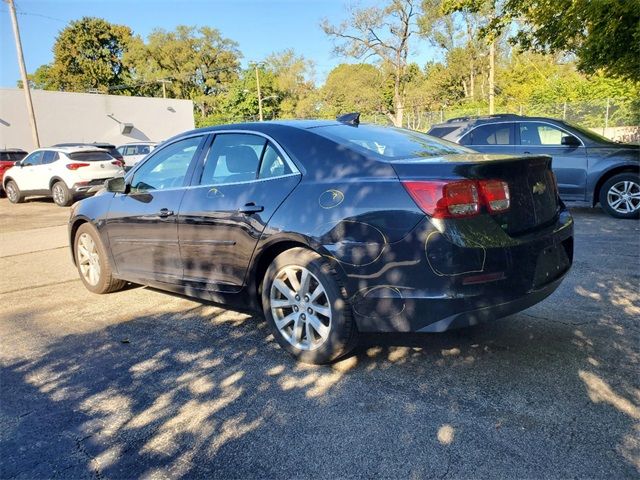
(164, 82)
(23, 74)
(492, 70)
(259, 94)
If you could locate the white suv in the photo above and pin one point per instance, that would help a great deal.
(132, 153)
(62, 173)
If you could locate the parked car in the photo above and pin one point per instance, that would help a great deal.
(132, 153)
(8, 157)
(63, 173)
(113, 151)
(589, 167)
(331, 229)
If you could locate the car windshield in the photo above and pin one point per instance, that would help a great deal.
(389, 143)
(590, 134)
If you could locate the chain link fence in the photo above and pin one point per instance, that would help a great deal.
(618, 119)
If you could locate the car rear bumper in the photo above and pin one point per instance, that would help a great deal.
(88, 188)
(487, 283)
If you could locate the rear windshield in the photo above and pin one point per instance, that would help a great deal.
(95, 156)
(442, 131)
(12, 156)
(389, 143)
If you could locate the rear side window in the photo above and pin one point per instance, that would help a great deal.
(388, 143)
(49, 157)
(95, 156)
(233, 157)
(490, 134)
(273, 165)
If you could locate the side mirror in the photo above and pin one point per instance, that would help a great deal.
(117, 185)
(570, 141)
(17, 164)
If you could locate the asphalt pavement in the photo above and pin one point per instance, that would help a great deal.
(140, 383)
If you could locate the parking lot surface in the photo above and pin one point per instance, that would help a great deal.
(144, 384)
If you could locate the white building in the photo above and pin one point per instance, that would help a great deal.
(64, 117)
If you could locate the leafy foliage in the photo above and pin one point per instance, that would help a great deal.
(87, 54)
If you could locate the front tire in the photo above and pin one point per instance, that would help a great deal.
(620, 196)
(61, 194)
(306, 307)
(13, 192)
(93, 263)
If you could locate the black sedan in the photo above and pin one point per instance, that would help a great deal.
(331, 229)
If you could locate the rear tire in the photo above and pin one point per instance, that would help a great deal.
(93, 263)
(61, 194)
(13, 192)
(620, 196)
(307, 308)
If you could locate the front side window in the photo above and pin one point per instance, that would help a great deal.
(233, 157)
(490, 134)
(34, 159)
(532, 133)
(167, 168)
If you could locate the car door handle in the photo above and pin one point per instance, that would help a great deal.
(165, 212)
(250, 208)
(527, 153)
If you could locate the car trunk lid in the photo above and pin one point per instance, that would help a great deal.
(534, 201)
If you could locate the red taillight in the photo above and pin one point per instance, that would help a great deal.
(119, 163)
(443, 199)
(458, 198)
(76, 166)
(495, 195)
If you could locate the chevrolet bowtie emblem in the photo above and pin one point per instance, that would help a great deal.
(539, 188)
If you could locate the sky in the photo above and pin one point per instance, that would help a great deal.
(261, 27)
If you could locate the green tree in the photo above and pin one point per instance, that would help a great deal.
(193, 63)
(293, 81)
(384, 33)
(353, 88)
(603, 34)
(87, 54)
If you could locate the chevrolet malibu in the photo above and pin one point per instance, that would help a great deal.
(331, 229)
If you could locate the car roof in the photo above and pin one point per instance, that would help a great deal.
(12, 150)
(72, 149)
(505, 117)
(85, 144)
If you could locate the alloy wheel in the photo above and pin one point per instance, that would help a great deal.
(58, 194)
(624, 197)
(12, 193)
(88, 259)
(300, 307)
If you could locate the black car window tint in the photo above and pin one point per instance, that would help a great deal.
(388, 143)
(273, 165)
(34, 159)
(167, 167)
(233, 157)
(492, 134)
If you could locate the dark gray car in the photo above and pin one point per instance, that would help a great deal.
(589, 168)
